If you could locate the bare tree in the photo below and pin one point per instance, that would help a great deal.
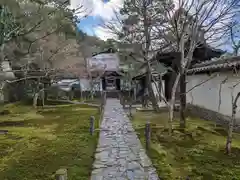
(33, 29)
(192, 24)
(136, 26)
(95, 76)
(180, 27)
(234, 37)
(232, 121)
(128, 78)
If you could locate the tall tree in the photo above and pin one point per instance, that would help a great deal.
(37, 32)
(235, 36)
(140, 18)
(192, 24)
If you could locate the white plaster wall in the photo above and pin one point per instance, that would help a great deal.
(106, 61)
(207, 94)
(86, 85)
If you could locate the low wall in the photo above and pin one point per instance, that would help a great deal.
(210, 96)
(85, 94)
(210, 115)
(97, 94)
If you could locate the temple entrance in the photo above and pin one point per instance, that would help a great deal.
(111, 84)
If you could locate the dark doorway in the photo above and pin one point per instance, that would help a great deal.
(104, 83)
(118, 86)
(167, 80)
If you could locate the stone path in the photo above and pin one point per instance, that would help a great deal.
(120, 155)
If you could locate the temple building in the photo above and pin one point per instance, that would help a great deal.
(168, 61)
(104, 69)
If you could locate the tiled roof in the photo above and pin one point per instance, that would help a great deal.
(156, 71)
(216, 64)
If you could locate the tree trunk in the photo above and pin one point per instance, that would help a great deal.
(130, 108)
(2, 55)
(71, 95)
(229, 137)
(135, 94)
(130, 101)
(92, 91)
(36, 94)
(236, 49)
(35, 100)
(144, 90)
(160, 88)
(145, 52)
(80, 88)
(182, 82)
(46, 93)
(172, 103)
(150, 90)
(43, 97)
(231, 124)
(144, 104)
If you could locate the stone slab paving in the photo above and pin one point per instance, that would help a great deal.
(120, 155)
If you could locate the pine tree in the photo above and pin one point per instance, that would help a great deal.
(142, 22)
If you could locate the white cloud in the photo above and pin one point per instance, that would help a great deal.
(104, 33)
(209, 14)
(98, 7)
(106, 11)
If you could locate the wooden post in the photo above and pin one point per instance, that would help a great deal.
(102, 101)
(135, 93)
(61, 174)
(80, 89)
(147, 134)
(105, 97)
(43, 97)
(92, 118)
(124, 101)
(120, 98)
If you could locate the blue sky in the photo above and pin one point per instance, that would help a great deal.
(102, 11)
(97, 12)
(89, 24)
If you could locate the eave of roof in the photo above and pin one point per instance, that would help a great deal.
(154, 72)
(216, 65)
(108, 51)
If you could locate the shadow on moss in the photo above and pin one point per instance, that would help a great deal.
(197, 152)
(59, 138)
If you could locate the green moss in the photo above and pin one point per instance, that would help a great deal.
(197, 152)
(48, 139)
(94, 101)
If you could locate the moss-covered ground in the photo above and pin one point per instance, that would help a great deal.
(93, 101)
(197, 153)
(39, 142)
(88, 100)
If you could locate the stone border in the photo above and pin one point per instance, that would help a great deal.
(207, 114)
(101, 112)
(101, 109)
